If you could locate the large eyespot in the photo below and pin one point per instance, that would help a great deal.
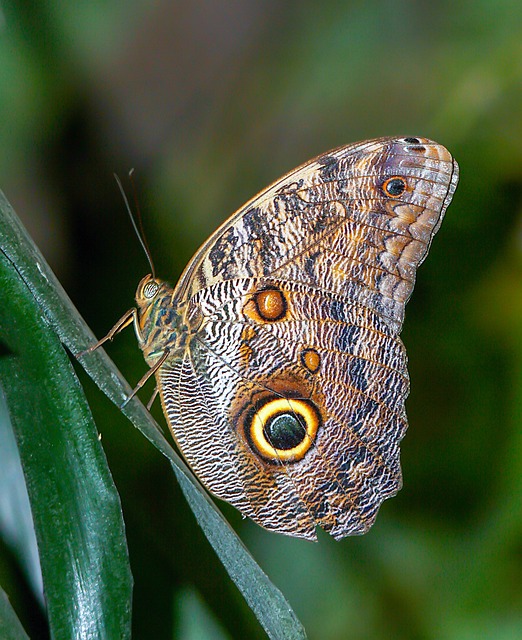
(412, 140)
(394, 187)
(283, 429)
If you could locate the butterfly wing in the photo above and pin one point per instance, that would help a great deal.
(288, 400)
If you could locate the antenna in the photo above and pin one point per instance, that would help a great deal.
(139, 231)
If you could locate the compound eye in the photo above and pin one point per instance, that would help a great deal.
(150, 289)
(147, 288)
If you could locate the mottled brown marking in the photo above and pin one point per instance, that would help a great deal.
(304, 195)
(245, 349)
(395, 245)
(406, 213)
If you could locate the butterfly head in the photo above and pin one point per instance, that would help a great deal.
(157, 319)
(149, 289)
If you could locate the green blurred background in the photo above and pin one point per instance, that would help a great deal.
(210, 101)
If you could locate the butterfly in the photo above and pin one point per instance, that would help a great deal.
(277, 355)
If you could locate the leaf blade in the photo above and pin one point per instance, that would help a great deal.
(10, 626)
(266, 601)
(75, 506)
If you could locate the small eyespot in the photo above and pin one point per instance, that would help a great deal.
(271, 304)
(311, 360)
(150, 289)
(394, 187)
(412, 140)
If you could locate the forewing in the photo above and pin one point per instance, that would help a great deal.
(332, 226)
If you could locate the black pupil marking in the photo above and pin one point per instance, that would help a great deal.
(284, 431)
(395, 187)
(412, 140)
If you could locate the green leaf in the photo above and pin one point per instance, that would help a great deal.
(74, 503)
(265, 600)
(16, 520)
(10, 627)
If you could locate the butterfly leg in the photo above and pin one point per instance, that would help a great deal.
(152, 398)
(123, 322)
(149, 373)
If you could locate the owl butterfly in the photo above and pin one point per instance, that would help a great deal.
(277, 355)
